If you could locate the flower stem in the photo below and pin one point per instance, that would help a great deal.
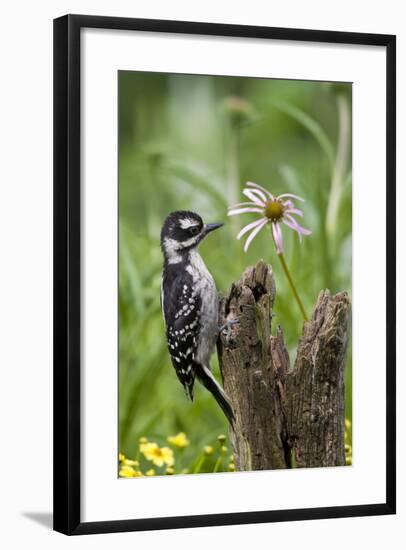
(199, 464)
(289, 278)
(218, 463)
(292, 286)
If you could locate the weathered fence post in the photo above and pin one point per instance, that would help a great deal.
(279, 409)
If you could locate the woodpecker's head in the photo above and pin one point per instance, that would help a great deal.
(182, 231)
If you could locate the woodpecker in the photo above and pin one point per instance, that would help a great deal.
(189, 301)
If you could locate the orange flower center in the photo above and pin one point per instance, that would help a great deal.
(274, 210)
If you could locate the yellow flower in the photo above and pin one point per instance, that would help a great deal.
(121, 457)
(231, 467)
(208, 450)
(170, 471)
(128, 462)
(222, 438)
(158, 455)
(128, 471)
(150, 472)
(223, 449)
(347, 423)
(180, 440)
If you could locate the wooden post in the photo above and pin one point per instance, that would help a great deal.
(278, 409)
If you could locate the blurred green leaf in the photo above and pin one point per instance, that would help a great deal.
(311, 125)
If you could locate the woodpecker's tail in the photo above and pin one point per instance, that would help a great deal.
(205, 376)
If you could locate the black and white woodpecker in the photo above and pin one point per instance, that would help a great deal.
(189, 302)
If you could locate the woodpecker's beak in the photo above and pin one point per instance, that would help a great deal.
(211, 227)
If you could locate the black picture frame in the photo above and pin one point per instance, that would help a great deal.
(67, 268)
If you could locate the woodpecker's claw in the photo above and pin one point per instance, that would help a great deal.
(227, 328)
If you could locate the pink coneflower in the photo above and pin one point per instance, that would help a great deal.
(273, 210)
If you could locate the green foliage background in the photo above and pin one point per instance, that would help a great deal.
(191, 142)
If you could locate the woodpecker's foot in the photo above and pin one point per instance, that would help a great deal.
(227, 328)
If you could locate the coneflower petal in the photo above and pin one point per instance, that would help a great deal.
(294, 211)
(239, 204)
(303, 230)
(290, 195)
(256, 195)
(253, 184)
(292, 223)
(293, 226)
(248, 227)
(244, 210)
(254, 233)
(277, 235)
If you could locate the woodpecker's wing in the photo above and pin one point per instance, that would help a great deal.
(181, 305)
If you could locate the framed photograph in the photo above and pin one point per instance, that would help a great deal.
(224, 274)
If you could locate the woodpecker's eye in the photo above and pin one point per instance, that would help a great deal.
(194, 230)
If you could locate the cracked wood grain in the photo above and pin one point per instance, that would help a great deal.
(282, 411)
